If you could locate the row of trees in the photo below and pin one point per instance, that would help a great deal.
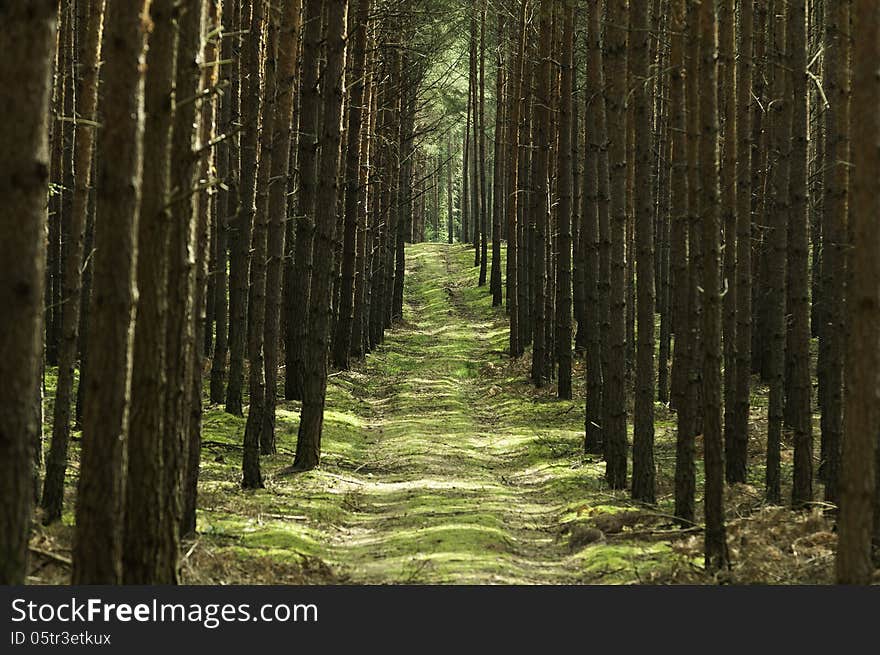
(687, 180)
(230, 187)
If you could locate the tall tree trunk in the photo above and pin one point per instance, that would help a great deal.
(308, 446)
(594, 142)
(212, 34)
(87, 103)
(727, 174)
(737, 425)
(498, 169)
(565, 190)
(862, 412)
(450, 211)
(239, 253)
(776, 263)
(343, 337)
(288, 58)
(251, 475)
(798, 342)
(614, 397)
(181, 342)
(515, 92)
(28, 40)
(143, 487)
(298, 321)
(643, 483)
(97, 548)
(717, 556)
(481, 142)
(541, 189)
(832, 333)
(226, 211)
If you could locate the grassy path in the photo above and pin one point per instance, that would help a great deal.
(441, 465)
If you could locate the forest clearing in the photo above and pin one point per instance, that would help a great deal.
(439, 291)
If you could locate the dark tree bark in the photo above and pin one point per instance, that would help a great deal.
(143, 486)
(308, 446)
(87, 102)
(288, 58)
(515, 92)
(297, 319)
(207, 208)
(97, 548)
(252, 477)
(28, 40)
(737, 442)
(481, 143)
(594, 142)
(226, 211)
(798, 341)
(832, 332)
(541, 189)
(862, 413)
(565, 189)
(343, 337)
(643, 484)
(450, 211)
(239, 253)
(727, 174)
(689, 329)
(777, 215)
(181, 344)
(717, 556)
(614, 396)
(498, 169)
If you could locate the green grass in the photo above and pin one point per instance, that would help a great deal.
(440, 463)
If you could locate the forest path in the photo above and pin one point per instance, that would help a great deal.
(441, 463)
(448, 498)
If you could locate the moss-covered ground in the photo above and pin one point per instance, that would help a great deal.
(442, 464)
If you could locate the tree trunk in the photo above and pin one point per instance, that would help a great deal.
(832, 333)
(776, 262)
(143, 487)
(515, 92)
(717, 556)
(594, 110)
(297, 320)
(737, 441)
(252, 477)
(541, 189)
(498, 170)
(798, 342)
(97, 548)
(87, 101)
(862, 413)
(239, 253)
(308, 446)
(565, 191)
(643, 484)
(614, 396)
(342, 339)
(28, 40)
(288, 58)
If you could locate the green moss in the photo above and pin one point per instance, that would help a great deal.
(440, 462)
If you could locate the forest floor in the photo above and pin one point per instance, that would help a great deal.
(442, 464)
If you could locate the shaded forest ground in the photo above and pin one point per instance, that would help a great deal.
(441, 464)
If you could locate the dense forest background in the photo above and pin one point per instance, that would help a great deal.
(440, 290)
